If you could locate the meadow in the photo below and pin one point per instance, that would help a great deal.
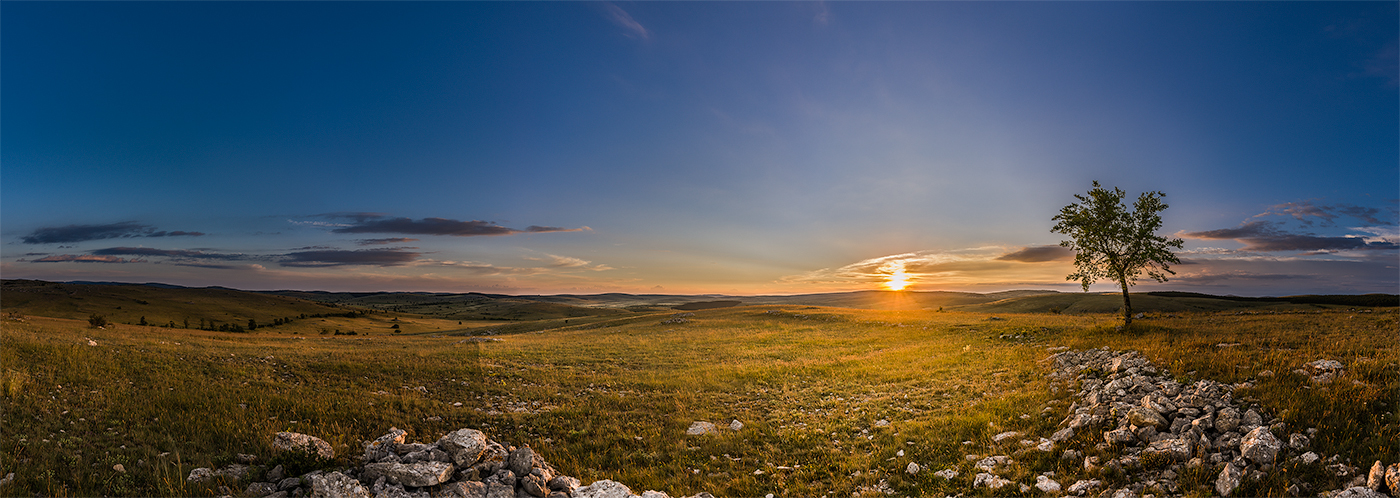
(832, 401)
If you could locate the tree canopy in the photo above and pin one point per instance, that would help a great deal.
(1113, 243)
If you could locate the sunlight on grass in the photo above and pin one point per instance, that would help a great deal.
(827, 398)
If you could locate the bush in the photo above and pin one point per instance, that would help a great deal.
(97, 321)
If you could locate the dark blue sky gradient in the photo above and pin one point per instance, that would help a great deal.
(707, 147)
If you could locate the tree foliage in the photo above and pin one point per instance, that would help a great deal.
(1115, 244)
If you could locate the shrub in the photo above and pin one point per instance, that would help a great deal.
(97, 321)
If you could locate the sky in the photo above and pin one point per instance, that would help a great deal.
(693, 147)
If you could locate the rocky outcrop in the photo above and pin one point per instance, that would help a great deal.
(1158, 427)
(461, 464)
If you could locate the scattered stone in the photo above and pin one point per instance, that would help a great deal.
(1309, 457)
(699, 428)
(1062, 435)
(1046, 484)
(1392, 478)
(260, 489)
(946, 473)
(119, 468)
(1082, 486)
(296, 442)
(912, 468)
(1298, 442)
(736, 425)
(992, 462)
(1004, 436)
(989, 481)
(1324, 371)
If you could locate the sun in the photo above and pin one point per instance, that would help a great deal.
(897, 279)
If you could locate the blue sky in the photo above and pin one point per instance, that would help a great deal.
(712, 147)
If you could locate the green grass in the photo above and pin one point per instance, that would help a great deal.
(611, 399)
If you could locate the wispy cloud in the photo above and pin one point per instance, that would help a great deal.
(441, 226)
(391, 240)
(169, 253)
(362, 257)
(1266, 236)
(82, 258)
(555, 261)
(81, 233)
(631, 28)
(823, 14)
(962, 266)
(1307, 212)
(1038, 254)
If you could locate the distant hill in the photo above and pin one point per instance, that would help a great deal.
(161, 304)
(469, 306)
(1109, 302)
(158, 304)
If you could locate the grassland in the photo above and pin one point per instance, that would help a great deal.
(611, 397)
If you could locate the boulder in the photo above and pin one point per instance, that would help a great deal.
(287, 483)
(603, 489)
(1142, 416)
(296, 442)
(1174, 448)
(1119, 436)
(563, 483)
(465, 446)
(1159, 403)
(1323, 371)
(336, 485)
(1062, 435)
(1228, 480)
(1375, 479)
(201, 474)
(260, 489)
(415, 474)
(462, 489)
(523, 461)
(1359, 492)
(1260, 445)
(1227, 419)
(1392, 478)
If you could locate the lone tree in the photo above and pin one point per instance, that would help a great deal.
(1112, 243)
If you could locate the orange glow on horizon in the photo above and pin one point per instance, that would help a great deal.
(897, 279)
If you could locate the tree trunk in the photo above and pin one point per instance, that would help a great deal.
(1127, 304)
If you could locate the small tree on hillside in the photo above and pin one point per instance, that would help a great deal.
(1112, 243)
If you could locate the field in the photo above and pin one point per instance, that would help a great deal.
(609, 396)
